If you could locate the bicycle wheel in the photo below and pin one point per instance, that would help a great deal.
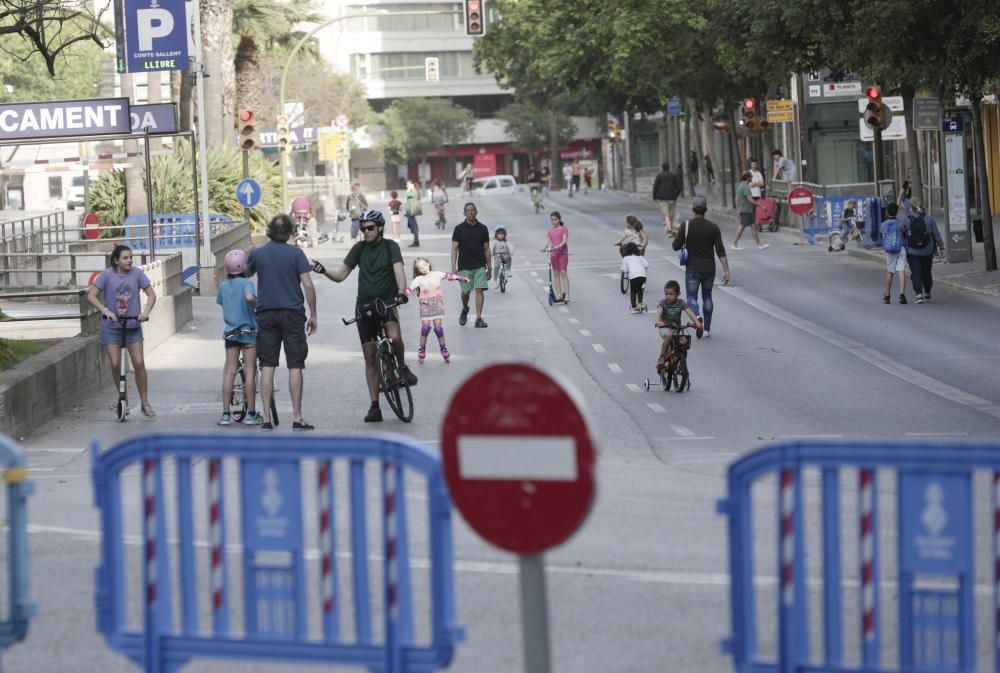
(394, 387)
(681, 379)
(503, 282)
(624, 284)
(238, 400)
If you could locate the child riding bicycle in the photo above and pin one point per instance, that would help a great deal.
(238, 297)
(503, 251)
(668, 319)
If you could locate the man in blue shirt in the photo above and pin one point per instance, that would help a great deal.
(283, 275)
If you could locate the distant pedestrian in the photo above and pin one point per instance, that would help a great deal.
(413, 208)
(356, 204)
(922, 239)
(666, 189)
(576, 171)
(704, 241)
(567, 172)
(692, 170)
(709, 169)
(395, 206)
(546, 177)
(783, 169)
(894, 248)
(465, 178)
(635, 265)
(747, 208)
(679, 168)
(756, 180)
(588, 176)
(471, 257)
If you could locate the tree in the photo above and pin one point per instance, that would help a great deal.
(412, 127)
(220, 87)
(529, 125)
(324, 92)
(49, 27)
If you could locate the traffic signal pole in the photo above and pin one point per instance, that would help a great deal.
(246, 174)
(879, 157)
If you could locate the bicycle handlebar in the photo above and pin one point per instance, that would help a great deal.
(377, 306)
(120, 318)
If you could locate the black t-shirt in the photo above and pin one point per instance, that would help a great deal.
(704, 242)
(472, 241)
(376, 278)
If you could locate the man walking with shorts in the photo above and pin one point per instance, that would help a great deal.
(471, 257)
(704, 241)
(283, 275)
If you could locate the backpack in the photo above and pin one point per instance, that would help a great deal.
(892, 237)
(918, 236)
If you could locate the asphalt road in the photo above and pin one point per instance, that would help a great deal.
(801, 347)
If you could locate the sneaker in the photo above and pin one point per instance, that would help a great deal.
(735, 247)
(408, 376)
(445, 354)
(413, 245)
(253, 418)
(225, 419)
(463, 317)
(302, 425)
(902, 299)
(266, 425)
(707, 334)
(927, 296)
(481, 323)
(885, 299)
(919, 299)
(374, 414)
(763, 246)
(634, 309)
(421, 354)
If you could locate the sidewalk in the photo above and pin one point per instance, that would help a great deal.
(967, 276)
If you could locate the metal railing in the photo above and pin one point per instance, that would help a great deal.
(40, 233)
(43, 266)
(88, 316)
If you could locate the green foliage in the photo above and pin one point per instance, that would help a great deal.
(13, 351)
(174, 188)
(47, 30)
(324, 92)
(77, 73)
(528, 124)
(412, 127)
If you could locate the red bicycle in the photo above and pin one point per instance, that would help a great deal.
(674, 371)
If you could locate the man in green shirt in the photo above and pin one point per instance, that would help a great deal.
(380, 277)
(747, 206)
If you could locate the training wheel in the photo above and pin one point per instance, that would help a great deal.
(645, 384)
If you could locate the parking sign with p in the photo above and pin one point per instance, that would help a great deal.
(156, 35)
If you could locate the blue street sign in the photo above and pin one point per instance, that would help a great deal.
(189, 277)
(674, 107)
(953, 124)
(248, 193)
(156, 35)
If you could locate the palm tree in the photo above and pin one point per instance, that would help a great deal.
(262, 25)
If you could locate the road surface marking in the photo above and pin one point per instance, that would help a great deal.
(809, 437)
(599, 348)
(575, 321)
(684, 439)
(615, 369)
(633, 387)
(41, 449)
(539, 281)
(585, 332)
(656, 408)
(564, 309)
(534, 273)
(937, 434)
(682, 431)
(870, 355)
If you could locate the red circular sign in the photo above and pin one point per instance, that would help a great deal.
(518, 458)
(91, 226)
(800, 200)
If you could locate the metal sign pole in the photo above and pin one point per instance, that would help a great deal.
(246, 174)
(534, 614)
(205, 253)
(149, 198)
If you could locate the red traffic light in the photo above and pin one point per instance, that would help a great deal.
(245, 115)
(873, 92)
(749, 104)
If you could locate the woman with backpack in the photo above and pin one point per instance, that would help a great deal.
(922, 239)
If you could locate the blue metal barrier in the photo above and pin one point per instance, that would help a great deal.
(20, 610)
(826, 212)
(276, 609)
(172, 230)
(930, 529)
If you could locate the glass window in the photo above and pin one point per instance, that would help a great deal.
(410, 65)
(426, 22)
(55, 187)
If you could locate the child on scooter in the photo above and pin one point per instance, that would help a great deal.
(426, 285)
(238, 297)
(668, 318)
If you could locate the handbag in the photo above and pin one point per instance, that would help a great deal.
(418, 208)
(684, 250)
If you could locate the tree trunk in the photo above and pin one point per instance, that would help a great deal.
(982, 180)
(913, 163)
(248, 77)
(185, 101)
(217, 45)
(135, 191)
(555, 174)
(154, 94)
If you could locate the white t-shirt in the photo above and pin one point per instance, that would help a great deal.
(756, 182)
(785, 168)
(635, 265)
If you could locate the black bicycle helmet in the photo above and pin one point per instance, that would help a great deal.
(372, 215)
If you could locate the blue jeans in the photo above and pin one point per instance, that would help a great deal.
(694, 280)
(411, 224)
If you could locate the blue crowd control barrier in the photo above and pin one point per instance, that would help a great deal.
(914, 505)
(20, 610)
(826, 213)
(172, 230)
(274, 591)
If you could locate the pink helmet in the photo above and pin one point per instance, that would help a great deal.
(236, 262)
(301, 204)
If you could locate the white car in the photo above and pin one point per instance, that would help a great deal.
(75, 196)
(494, 184)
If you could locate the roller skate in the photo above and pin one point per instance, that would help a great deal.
(445, 354)
(421, 354)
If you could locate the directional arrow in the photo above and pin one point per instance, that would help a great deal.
(248, 193)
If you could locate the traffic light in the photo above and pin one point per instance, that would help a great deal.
(752, 121)
(248, 130)
(749, 106)
(613, 130)
(877, 113)
(475, 16)
(431, 69)
(283, 130)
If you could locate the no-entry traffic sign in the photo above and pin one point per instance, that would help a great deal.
(518, 458)
(91, 226)
(800, 200)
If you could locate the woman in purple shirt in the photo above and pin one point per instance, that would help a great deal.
(115, 292)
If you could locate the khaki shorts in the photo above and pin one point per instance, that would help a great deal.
(477, 279)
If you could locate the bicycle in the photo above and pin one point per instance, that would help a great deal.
(441, 222)
(536, 198)
(392, 384)
(624, 286)
(502, 276)
(675, 370)
(238, 401)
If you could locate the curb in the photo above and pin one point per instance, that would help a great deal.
(876, 256)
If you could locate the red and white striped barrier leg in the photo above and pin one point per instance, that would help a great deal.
(323, 487)
(866, 500)
(787, 538)
(149, 527)
(393, 649)
(216, 581)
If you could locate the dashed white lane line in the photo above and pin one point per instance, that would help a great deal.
(599, 348)
(684, 439)
(633, 387)
(615, 369)
(575, 321)
(656, 408)
(534, 273)
(937, 434)
(564, 309)
(539, 281)
(682, 431)
(585, 332)
(809, 437)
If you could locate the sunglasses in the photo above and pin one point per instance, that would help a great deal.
(370, 227)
